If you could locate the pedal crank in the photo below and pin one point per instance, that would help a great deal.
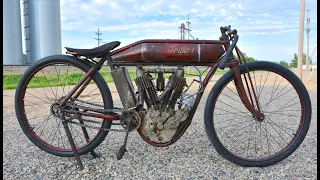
(123, 149)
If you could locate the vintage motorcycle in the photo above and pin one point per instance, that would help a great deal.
(256, 114)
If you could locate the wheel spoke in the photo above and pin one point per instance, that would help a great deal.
(47, 81)
(281, 127)
(251, 139)
(264, 84)
(55, 81)
(228, 112)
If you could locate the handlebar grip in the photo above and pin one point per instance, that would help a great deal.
(225, 29)
(228, 28)
(225, 58)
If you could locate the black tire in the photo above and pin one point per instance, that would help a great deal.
(43, 137)
(239, 151)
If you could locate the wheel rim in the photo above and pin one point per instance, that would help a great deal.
(49, 83)
(253, 140)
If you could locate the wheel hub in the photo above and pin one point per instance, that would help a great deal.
(55, 109)
(261, 118)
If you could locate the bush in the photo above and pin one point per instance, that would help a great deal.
(284, 63)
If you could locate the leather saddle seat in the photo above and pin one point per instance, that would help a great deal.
(94, 52)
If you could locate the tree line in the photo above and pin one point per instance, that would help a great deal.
(294, 61)
(292, 64)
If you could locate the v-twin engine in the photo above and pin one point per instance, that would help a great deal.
(162, 120)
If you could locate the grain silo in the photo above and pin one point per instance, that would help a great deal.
(12, 36)
(42, 28)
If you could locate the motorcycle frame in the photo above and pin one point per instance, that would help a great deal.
(233, 65)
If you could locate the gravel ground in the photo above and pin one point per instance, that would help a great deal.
(191, 157)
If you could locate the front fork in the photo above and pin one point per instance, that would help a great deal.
(255, 111)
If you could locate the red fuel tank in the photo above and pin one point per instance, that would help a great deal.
(198, 51)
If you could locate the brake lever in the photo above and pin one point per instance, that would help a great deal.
(224, 36)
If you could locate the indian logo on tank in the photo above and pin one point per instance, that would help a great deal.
(176, 50)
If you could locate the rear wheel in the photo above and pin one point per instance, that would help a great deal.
(39, 91)
(238, 136)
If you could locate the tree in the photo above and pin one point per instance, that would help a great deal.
(248, 59)
(284, 63)
(294, 61)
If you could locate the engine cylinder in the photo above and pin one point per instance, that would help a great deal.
(144, 83)
(160, 82)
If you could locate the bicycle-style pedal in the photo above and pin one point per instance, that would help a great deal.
(95, 155)
(121, 152)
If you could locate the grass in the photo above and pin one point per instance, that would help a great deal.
(10, 81)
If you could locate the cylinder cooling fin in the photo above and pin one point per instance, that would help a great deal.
(145, 84)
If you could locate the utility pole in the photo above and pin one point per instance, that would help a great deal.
(98, 39)
(301, 29)
(308, 36)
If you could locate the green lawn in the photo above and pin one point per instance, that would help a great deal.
(10, 81)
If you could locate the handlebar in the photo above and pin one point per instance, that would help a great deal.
(235, 38)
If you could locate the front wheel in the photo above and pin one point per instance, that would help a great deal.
(246, 141)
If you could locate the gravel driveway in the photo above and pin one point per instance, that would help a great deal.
(191, 157)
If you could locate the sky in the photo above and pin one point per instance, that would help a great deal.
(268, 30)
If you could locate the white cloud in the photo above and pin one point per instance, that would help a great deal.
(202, 14)
(277, 22)
(240, 13)
(143, 8)
(177, 19)
(114, 5)
(133, 33)
(194, 10)
(100, 2)
(258, 52)
(229, 18)
(223, 12)
(129, 20)
(211, 7)
(173, 6)
(274, 31)
(137, 26)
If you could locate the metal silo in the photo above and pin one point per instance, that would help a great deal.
(12, 36)
(43, 28)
